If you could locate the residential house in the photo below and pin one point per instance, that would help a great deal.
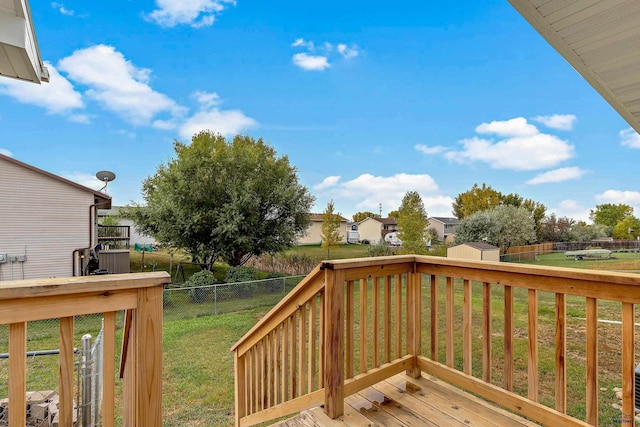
(135, 236)
(480, 251)
(48, 224)
(314, 232)
(374, 229)
(445, 227)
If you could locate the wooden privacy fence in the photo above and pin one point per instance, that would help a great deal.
(141, 360)
(353, 323)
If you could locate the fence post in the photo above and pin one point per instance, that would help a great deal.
(333, 342)
(86, 380)
(215, 299)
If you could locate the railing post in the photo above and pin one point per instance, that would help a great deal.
(240, 384)
(414, 319)
(148, 356)
(333, 342)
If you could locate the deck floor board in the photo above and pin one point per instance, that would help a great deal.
(404, 401)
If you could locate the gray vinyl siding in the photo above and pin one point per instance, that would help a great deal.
(44, 217)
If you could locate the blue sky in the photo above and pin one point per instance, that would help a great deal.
(368, 100)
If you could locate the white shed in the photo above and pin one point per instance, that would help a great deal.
(479, 251)
(48, 224)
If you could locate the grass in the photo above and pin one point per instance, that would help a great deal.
(318, 253)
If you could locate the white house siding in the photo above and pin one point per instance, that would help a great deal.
(44, 217)
(370, 229)
(312, 236)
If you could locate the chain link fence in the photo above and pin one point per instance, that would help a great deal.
(43, 342)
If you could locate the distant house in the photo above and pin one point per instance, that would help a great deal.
(445, 227)
(135, 236)
(48, 224)
(479, 251)
(374, 229)
(314, 232)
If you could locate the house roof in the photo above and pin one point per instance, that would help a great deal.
(445, 220)
(483, 246)
(19, 53)
(99, 197)
(388, 221)
(600, 40)
(320, 217)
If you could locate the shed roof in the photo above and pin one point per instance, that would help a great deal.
(103, 199)
(483, 246)
(600, 40)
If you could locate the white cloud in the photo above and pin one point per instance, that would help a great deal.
(430, 150)
(524, 147)
(118, 85)
(571, 209)
(348, 52)
(630, 138)
(328, 182)
(227, 122)
(57, 97)
(557, 175)
(6, 152)
(196, 13)
(207, 99)
(302, 43)
(367, 192)
(82, 178)
(619, 196)
(557, 121)
(512, 127)
(311, 62)
(63, 10)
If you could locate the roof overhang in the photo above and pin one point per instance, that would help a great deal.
(19, 52)
(600, 39)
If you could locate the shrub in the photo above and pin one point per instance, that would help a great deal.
(381, 248)
(242, 274)
(200, 283)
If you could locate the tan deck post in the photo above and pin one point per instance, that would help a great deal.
(414, 318)
(333, 341)
(148, 356)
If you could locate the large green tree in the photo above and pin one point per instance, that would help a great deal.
(361, 216)
(330, 233)
(628, 228)
(412, 224)
(610, 214)
(503, 226)
(227, 199)
(554, 229)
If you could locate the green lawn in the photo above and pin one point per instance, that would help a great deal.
(318, 253)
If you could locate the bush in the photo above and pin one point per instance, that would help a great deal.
(200, 283)
(381, 248)
(242, 274)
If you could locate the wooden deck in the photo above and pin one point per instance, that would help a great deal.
(404, 401)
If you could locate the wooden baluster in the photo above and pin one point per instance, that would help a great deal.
(434, 317)
(302, 347)
(268, 364)
(387, 319)
(398, 316)
(321, 338)
(363, 325)
(260, 375)
(375, 324)
(532, 378)
(449, 322)
(277, 354)
(561, 352)
(334, 330)
(592, 361)
(466, 328)
(66, 371)
(18, 374)
(628, 365)
(286, 371)
(240, 384)
(350, 328)
(414, 320)
(109, 370)
(311, 364)
(292, 354)
(408, 317)
(508, 338)
(486, 332)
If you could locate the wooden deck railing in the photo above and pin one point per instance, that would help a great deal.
(63, 298)
(353, 323)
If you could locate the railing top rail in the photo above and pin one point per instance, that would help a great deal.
(76, 285)
(291, 296)
(342, 264)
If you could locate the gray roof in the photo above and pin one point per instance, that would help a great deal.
(445, 220)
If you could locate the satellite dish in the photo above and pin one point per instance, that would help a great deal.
(106, 177)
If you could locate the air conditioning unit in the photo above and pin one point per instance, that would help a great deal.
(636, 397)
